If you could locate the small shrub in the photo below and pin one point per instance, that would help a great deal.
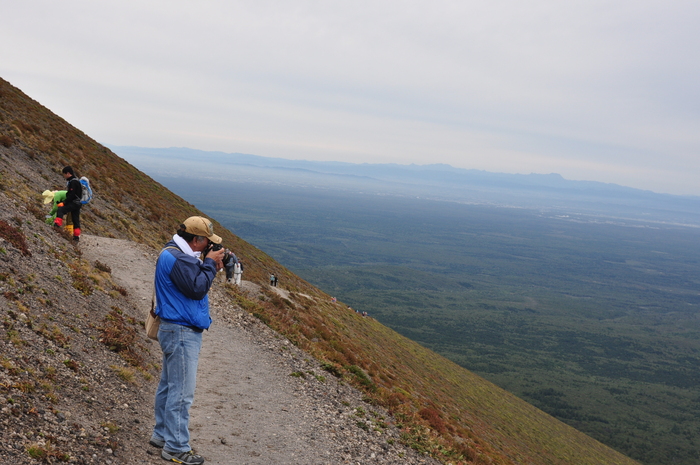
(14, 236)
(361, 376)
(121, 337)
(434, 419)
(333, 369)
(396, 398)
(121, 290)
(109, 426)
(72, 364)
(26, 386)
(277, 301)
(6, 141)
(369, 400)
(9, 366)
(25, 127)
(125, 374)
(50, 373)
(146, 375)
(54, 334)
(262, 318)
(36, 211)
(15, 338)
(102, 267)
(81, 281)
(36, 452)
(47, 453)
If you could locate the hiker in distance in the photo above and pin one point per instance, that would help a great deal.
(72, 204)
(230, 261)
(55, 198)
(185, 271)
(237, 272)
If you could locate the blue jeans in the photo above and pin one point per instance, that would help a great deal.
(175, 393)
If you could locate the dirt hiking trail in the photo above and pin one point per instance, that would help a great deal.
(247, 408)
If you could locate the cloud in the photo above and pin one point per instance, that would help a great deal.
(592, 90)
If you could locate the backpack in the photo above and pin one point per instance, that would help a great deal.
(87, 191)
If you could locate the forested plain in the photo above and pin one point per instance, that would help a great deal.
(592, 319)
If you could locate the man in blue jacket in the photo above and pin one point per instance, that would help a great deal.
(185, 271)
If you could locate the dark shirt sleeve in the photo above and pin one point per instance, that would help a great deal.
(192, 277)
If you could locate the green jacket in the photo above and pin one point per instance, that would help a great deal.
(58, 197)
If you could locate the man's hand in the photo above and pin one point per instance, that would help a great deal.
(218, 257)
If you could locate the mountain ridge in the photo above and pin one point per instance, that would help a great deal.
(553, 180)
(547, 192)
(441, 408)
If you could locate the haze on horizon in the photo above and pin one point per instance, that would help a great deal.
(602, 91)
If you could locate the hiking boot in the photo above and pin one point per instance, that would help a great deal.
(155, 442)
(188, 458)
(76, 238)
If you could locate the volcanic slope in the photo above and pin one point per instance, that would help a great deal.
(78, 375)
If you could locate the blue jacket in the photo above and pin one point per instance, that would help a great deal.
(182, 283)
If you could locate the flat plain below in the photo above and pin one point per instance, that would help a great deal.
(592, 319)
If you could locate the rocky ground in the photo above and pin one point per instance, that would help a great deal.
(259, 399)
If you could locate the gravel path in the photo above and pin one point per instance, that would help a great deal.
(247, 407)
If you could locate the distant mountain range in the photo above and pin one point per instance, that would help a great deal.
(550, 192)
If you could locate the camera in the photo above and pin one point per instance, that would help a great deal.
(212, 248)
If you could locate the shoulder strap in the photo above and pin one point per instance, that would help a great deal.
(153, 299)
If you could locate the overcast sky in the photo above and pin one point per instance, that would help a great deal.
(593, 90)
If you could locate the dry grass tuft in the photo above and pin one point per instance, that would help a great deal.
(6, 141)
(119, 334)
(14, 236)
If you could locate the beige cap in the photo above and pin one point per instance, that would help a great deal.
(200, 226)
(48, 196)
